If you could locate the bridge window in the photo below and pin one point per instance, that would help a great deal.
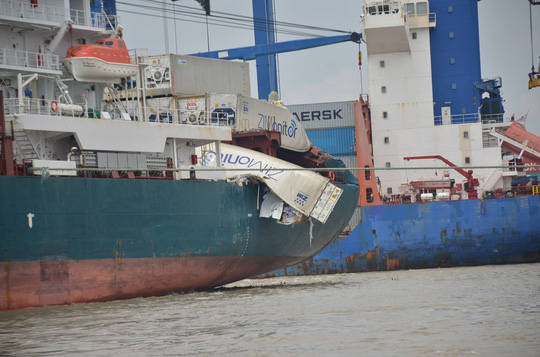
(421, 8)
(372, 10)
(409, 8)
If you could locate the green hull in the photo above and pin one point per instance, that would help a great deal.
(102, 239)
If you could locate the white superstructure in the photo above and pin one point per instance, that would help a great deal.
(397, 35)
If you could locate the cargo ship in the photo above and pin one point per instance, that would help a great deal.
(447, 178)
(117, 183)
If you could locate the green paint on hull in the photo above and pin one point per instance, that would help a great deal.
(79, 219)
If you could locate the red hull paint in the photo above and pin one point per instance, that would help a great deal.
(42, 283)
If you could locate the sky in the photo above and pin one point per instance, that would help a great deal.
(331, 73)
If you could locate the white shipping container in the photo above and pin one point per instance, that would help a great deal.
(324, 115)
(195, 75)
(251, 114)
(187, 76)
(157, 76)
(192, 109)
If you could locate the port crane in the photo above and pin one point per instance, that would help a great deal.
(472, 182)
(266, 47)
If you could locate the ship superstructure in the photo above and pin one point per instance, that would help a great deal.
(422, 70)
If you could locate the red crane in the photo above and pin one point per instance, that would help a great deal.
(472, 183)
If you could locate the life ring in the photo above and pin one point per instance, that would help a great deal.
(54, 105)
(332, 175)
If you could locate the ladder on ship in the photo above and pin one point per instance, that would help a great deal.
(25, 145)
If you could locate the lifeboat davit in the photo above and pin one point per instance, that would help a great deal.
(106, 61)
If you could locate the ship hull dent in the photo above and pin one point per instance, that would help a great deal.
(432, 235)
(66, 240)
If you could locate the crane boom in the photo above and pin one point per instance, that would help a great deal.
(266, 81)
(266, 47)
(471, 181)
(251, 52)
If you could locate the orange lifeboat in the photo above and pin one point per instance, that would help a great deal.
(105, 61)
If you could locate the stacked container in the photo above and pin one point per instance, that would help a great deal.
(331, 127)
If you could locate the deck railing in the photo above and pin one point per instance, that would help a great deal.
(154, 115)
(471, 118)
(457, 119)
(9, 57)
(27, 11)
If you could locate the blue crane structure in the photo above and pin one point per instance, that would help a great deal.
(491, 107)
(266, 47)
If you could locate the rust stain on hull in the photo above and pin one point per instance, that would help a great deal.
(41, 283)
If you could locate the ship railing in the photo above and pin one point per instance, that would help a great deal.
(153, 115)
(9, 57)
(27, 11)
(138, 55)
(40, 107)
(457, 119)
(471, 118)
(93, 19)
(493, 118)
(187, 117)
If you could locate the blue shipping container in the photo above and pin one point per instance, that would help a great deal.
(337, 142)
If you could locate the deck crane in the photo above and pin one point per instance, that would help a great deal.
(491, 107)
(534, 77)
(472, 182)
(266, 48)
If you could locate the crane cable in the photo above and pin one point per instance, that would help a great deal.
(531, 29)
(238, 21)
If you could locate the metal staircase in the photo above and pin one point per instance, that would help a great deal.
(25, 145)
